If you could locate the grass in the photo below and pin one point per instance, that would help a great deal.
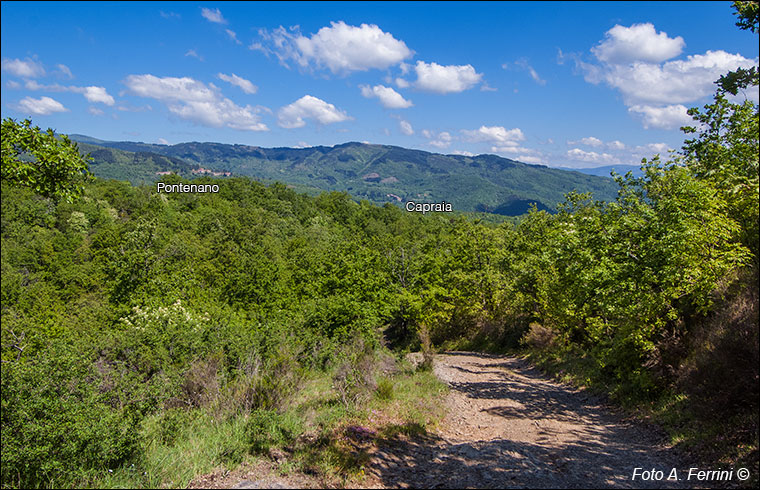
(315, 434)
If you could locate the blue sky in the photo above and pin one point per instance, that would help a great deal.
(562, 84)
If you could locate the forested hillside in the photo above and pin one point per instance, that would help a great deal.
(152, 337)
(378, 173)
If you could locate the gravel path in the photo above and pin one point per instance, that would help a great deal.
(508, 426)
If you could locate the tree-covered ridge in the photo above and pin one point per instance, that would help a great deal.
(140, 167)
(380, 173)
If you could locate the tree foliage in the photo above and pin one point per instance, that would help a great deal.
(48, 164)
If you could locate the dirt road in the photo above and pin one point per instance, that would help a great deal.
(508, 426)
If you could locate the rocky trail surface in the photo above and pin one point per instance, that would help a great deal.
(508, 426)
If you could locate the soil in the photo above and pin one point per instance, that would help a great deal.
(508, 426)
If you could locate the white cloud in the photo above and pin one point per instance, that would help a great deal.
(651, 148)
(28, 68)
(445, 79)
(673, 82)
(42, 106)
(195, 101)
(341, 48)
(588, 141)
(95, 111)
(406, 127)
(511, 148)
(530, 159)
(162, 141)
(64, 71)
(245, 85)
(439, 140)
(497, 134)
(667, 117)
(233, 35)
(96, 94)
(92, 93)
(463, 153)
(309, 107)
(591, 156)
(639, 42)
(12, 84)
(194, 54)
(523, 64)
(616, 145)
(633, 61)
(389, 98)
(401, 83)
(213, 15)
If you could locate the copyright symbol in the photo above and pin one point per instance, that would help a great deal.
(742, 474)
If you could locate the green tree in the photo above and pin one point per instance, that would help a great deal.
(51, 166)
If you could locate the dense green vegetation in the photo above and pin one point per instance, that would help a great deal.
(485, 183)
(141, 329)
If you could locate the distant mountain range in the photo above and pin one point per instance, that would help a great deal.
(378, 173)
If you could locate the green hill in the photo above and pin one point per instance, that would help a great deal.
(378, 173)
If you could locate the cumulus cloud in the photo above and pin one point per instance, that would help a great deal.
(214, 16)
(340, 48)
(464, 153)
(530, 159)
(591, 156)
(439, 140)
(42, 106)
(195, 101)
(406, 127)
(445, 79)
(673, 82)
(309, 107)
(96, 94)
(496, 134)
(588, 141)
(162, 141)
(640, 42)
(245, 85)
(597, 143)
(28, 68)
(632, 60)
(95, 111)
(666, 117)
(389, 98)
(92, 93)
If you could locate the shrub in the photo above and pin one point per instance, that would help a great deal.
(540, 337)
(384, 390)
(427, 349)
(354, 376)
(266, 429)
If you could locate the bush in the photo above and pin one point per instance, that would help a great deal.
(354, 376)
(384, 390)
(427, 349)
(267, 429)
(539, 337)
(57, 426)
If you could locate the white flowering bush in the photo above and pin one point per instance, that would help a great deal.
(160, 339)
